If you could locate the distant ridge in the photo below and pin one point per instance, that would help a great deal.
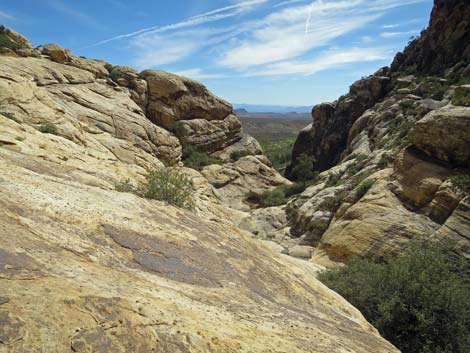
(279, 109)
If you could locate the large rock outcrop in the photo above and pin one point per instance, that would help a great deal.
(189, 110)
(444, 44)
(234, 182)
(325, 140)
(81, 109)
(390, 151)
(445, 135)
(110, 271)
(84, 268)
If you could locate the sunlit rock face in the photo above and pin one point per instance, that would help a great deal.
(84, 268)
(387, 153)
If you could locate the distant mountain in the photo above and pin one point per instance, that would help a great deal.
(279, 109)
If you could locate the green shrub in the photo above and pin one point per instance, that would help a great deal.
(48, 128)
(363, 188)
(303, 169)
(333, 179)
(294, 189)
(179, 128)
(272, 198)
(462, 183)
(169, 185)
(419, 301)
(194, 159)
(109, 67)
(332, 203)
(385, 161)
(236, 155)
(278, 196)
(6, 42)
(279, 152)
(165, 184)
(319, 225)
(461, 97)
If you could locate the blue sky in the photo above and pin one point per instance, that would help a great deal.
(282, 52)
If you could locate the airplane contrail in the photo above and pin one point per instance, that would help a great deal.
(210, 16)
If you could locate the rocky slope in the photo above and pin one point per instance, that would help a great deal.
(388, 153)
(84, 268)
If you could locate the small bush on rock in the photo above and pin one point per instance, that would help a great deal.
(420, 301)
(303, 169)
(169, 185)
(462, 183)
(461, 97)
(195, 159)
(236, 155)
(278, 196)
(332, 203)
(48, 128)
(363, 188)
(6, 42)
(165, 184)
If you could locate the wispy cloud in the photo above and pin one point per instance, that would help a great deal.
(327, 60)
(156, 49)
(7, 16)
(198, 74)
(289, 2)
(398, 34)
(289, 37)
(294, 31)
(401, 24)
(207, 17)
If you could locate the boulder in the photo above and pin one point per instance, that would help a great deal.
(269, 224)
(172, 98)
(57, 53)
(378, 225)
(233, 182)
(247, 144)
(209, 136)
(97, 67)
(444, 134)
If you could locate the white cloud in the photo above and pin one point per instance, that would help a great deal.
(327, 60)
(289, 2)
(284, 34)
(294, 31)
(155, 49)
(211, 16)
(276, 43)
(396, 25)
(398, 34)
(198, 74)
(7, 16)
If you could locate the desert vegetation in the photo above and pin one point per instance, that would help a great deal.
(420, 300)
(164, 184)
(195, 159)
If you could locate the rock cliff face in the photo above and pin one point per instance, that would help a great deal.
(84, 268)
(443, 45)
(389, 150)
